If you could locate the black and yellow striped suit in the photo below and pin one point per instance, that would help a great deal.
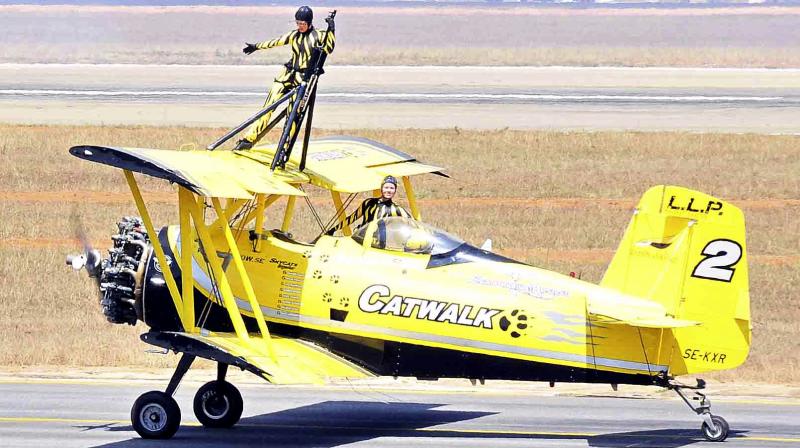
(292, 73)
(372, 209)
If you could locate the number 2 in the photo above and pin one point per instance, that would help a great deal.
(721, 256)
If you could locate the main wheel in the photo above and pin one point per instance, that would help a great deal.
(155, 415)
(218, 404)
(717, 434)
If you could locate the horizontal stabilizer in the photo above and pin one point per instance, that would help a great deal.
(645, 322)
(617, 308)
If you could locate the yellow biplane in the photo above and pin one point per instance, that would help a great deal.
(398, 297)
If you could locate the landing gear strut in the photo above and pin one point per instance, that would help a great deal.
(714, 427)
(218, 404)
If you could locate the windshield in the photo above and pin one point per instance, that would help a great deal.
(406, 235)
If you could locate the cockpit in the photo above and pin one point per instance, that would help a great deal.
(406, 235)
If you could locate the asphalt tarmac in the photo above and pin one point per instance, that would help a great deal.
(96, 413)
(581, 98)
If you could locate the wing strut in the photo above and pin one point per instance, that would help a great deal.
(245, 280)
(191, 221)
(412, 198)
(187, 281)
(228, 299)
(160, 256)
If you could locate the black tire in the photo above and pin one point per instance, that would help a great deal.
(155, 415)
(218, 404)
(718, 434)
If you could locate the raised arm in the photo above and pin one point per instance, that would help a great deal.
(328, 40)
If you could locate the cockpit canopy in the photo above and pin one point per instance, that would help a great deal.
(400, 234)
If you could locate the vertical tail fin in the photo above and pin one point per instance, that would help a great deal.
(686, 250)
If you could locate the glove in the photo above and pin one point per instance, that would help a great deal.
(249, 49)
(331, 23)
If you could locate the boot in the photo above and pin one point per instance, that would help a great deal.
(243, 144)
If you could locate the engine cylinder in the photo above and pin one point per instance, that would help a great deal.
(122, 271)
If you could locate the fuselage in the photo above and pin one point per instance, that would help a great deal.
(457, 312)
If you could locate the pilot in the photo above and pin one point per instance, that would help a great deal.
(376, 208)
(302, 40)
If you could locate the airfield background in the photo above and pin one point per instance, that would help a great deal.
(572, 191)
(549, 136)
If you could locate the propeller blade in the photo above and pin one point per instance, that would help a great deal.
(90, 258)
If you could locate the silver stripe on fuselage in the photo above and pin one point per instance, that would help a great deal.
(204, 281)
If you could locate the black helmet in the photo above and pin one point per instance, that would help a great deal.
(389, 180)
(305, 14)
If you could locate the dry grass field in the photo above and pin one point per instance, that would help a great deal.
(561, 201)
(437, 35)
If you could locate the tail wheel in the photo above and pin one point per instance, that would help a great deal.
(155, 415)
(218, 404)
(719, 432)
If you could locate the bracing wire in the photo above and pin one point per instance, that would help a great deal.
(245, 211)
(242, 212)
(313, 210)
(206, 312)
(341, 212)
(591, 339)
(644, 351)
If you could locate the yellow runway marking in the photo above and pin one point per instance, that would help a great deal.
(580, 434)
(772, 439)
(587, 434)
(487, 431)
(764, 402)
(72, 382)
(73, 420)
(56, 420)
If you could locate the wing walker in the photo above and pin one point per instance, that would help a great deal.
(397, 296)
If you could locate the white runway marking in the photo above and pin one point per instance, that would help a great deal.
(403, 96)
(466, 68)
(567, 98)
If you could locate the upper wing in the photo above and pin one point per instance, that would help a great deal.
(350, 164)
(346, 164)
(212, 174)
(295, 362)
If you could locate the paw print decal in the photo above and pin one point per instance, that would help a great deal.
(324, 258)
(335, 279)
(344, 302)
(307, 254)
(317, 274)
(517, 323)
(327, 297)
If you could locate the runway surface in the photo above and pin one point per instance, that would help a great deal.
(729, 100)
(89, 413)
